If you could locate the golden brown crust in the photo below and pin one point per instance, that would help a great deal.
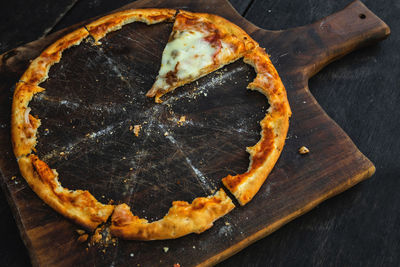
(99, 28)
(39, 68)
(79, 206)
(182, 219)
(218, 30)
(23, 125)
(274, 127)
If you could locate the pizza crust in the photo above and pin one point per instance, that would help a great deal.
(182, 219)
(78, 205)
(23, 125)
(38, 70)
(274, 127)
(99, 28)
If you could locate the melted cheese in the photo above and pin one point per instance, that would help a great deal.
(186, 55)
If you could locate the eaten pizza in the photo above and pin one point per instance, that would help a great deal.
(198, 45)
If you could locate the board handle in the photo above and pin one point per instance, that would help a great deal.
(341, 33)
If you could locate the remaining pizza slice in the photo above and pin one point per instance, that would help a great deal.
(199, 44)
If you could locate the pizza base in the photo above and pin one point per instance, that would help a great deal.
(183, 218)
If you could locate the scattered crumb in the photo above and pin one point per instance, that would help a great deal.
(123, 157)
(96, 236)
(80, 231)
(194, 246)
(13, 178)
(182, 119)
(131, 255)
(131, 169)
(62, 153)
(226, 223)
(130, 128)
(83, 238)
(165, 249)
(303, 150)
(166, 134)
(136, 129)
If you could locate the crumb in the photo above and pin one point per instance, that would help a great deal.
(131, 255)
(130, 128)
(104, 251)
(80, 231)
(194, 246)
(303, 150)
(182, 119)
(177, 265)
(136, 129)
(13, 178)
(165, 249)
(166, 134)
(83, 238)
(226, 223)
(62, 153)
(96, 236)
(131, 169)
(123, 157)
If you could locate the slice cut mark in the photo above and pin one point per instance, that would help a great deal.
(198, 45)
(182, 219)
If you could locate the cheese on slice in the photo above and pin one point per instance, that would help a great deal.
(184, 57)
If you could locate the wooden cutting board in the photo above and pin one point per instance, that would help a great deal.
(95, 94)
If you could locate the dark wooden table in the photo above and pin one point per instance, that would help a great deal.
(360, 227)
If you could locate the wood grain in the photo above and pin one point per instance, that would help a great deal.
(334, 165)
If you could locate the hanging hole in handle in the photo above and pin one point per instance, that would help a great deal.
(362, 16)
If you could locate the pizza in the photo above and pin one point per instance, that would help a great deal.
(198, 45)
